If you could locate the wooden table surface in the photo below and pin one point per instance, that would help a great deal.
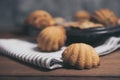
(12, 69)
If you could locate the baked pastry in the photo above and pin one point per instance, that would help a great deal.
(105, 17)
(118, 21)
(80, 56)
(59, 20)
(39, 19)
(82, 25)
(71, 24)
(88, 24)
(81, 16)
(51, 38)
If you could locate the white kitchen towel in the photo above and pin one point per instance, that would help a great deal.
(28, 52)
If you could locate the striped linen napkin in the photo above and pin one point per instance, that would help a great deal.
(27, 51)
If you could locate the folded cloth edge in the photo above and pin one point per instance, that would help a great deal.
(47, 62)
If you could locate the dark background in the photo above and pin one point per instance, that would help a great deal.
(13, 12)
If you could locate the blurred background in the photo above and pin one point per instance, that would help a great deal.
(13, 12)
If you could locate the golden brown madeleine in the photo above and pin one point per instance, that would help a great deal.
(118, 21)
(105, 17)
(82, 25)
(71, 24)
(81, 16)
(39, 19)
(81, 56)
(89, 24)
(59, 20)
(51, 38)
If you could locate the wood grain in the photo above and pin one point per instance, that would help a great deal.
(110, 66)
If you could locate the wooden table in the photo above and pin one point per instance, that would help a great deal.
(12, 69)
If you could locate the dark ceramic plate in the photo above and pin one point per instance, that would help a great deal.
(92, 36)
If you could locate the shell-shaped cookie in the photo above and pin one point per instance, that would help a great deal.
(59, 20)
(118, 21)
(105, 17)
(81, 56)
(89, 24)
(51, 38)
(39, 19)
(81, 16)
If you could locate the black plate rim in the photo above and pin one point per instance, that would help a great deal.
(92, 31)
